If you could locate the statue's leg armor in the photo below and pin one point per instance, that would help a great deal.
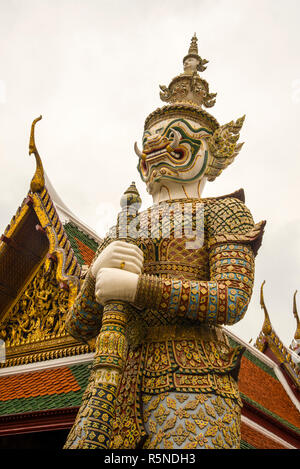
(78, 432)
(191, 421)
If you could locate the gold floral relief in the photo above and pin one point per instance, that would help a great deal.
(39, 314)
(191, 421)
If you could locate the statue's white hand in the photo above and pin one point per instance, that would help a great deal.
(115, 284)
(119, 255)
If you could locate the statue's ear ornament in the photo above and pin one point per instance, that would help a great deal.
(223, 147)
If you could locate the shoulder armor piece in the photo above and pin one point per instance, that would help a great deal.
(238, 194)
(228, 220)
(227, 215)
(253, 237)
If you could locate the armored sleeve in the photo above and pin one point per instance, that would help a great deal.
(83, 320)
(233, 241)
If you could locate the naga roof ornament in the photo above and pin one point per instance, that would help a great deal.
(269, 339)
(295, 344)
(38, 181)
(267, 326)
(295, 312)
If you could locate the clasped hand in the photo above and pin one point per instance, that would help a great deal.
(116, 271)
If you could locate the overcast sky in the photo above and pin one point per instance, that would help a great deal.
(93, 68)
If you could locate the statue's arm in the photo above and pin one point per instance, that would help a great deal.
(83, 320)
(222, 300)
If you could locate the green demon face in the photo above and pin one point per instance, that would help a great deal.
(173, 150)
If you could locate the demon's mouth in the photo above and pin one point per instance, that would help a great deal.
(162, 155)
(158, 150)
(157, 146)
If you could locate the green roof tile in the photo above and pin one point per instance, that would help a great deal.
(58, 400)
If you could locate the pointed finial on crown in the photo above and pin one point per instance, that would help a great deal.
(194, 46)
(198, 64)
(189, 88)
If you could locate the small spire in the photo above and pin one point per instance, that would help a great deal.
(188, 88)
(194, 45)
(131, 196)
(295, 312)
(193, 53)
(38, 181)
(130, 203)
(267, 327)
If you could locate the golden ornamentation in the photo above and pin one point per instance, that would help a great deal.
(38, 180)
(223, 147)
(183, 110)
(193, 53)
(191, 421)
(295, 312)
(269, 338)
(267, 327)
(33, 324)
(39, 314)
(189, 87)
(67, 267)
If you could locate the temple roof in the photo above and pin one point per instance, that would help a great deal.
(269, 343)
(266, 393)
(51, 388)
(44, 240)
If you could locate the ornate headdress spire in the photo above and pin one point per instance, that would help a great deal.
(189, 87)
(186, 95)
(194, 46)
(193, 54)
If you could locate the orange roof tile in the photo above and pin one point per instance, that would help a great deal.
(86, 252)
(267, 391)
(38, 383)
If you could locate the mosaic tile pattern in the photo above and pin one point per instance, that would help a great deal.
(191, 421)
(41, 390)
(83, 246)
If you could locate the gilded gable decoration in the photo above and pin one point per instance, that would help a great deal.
(40, 276)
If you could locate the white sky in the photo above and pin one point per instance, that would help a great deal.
(93, 68)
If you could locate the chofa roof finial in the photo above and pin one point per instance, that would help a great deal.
(267, 327)
(38, 181)
(295, 312)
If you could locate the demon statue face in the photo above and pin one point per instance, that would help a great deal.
(173, 150)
